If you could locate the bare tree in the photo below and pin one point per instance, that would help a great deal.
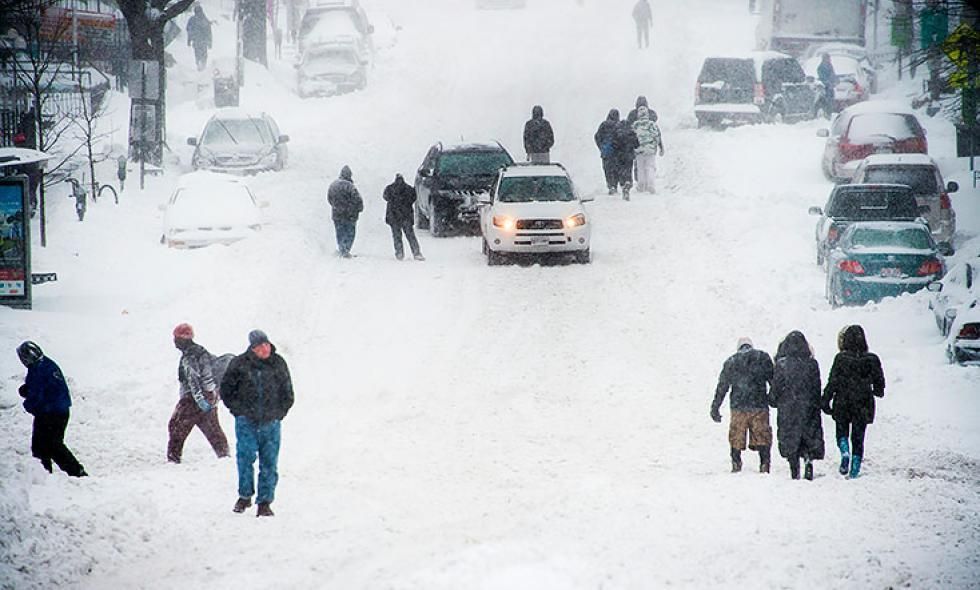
(87, 127)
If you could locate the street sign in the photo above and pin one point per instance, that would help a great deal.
(144, 80)
(15, 243)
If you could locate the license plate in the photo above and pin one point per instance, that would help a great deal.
(542, 241)
(891, 273)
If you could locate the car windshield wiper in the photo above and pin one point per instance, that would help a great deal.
(257, 128)
(228, 131)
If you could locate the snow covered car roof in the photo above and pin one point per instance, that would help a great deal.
(471, 147)
(878, 106)
(524, 170)
(899, 159)
(886, 226)
(226, 113)
(758, 58)
(204, 178)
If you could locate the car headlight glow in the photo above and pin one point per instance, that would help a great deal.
(505, 222)
(575, 221)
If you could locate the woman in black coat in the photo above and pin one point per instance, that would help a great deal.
(855, 380)
(795, 394)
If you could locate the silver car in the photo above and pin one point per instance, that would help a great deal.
(239, 142)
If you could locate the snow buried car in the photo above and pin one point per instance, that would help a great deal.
(879, 259)
(330, 69)
(963, 342)
(208, 208)
(534, 210)
(237, 141)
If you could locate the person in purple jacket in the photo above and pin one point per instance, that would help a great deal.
(46, 397)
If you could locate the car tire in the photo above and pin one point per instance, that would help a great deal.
(494, 258)
(584, 257)
(421, 221)
(485, 248)
(820, 259)
(438, 225)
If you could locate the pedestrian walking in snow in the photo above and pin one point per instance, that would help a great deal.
(855, 380)
(258, 391)
(46, 397)
(651, 144)
(199, 36)
(643, 16)
(346, 204)
(624, 144)
(538, 137)
(197, 406)
(747, 374)
(641, 101)
(828, 78)
(604, 141)
(795, 394)
(277, 39)
(400, 216)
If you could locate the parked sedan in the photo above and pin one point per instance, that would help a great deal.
(239, 142)
(207, 209)
(963, 342)
(867, 128)
(882, 259)
(956, 291)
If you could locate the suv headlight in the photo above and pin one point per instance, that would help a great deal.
(575, 220)
(504, 222)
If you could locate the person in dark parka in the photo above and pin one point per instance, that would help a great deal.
(258, 391)
(795, 394)
(400, 216)
(539, 138)
(604, 141)
(46, 397)
(855, 380)
(748, 374)
(346, 204)
(199, 36)
(624, 146)
(641, 101)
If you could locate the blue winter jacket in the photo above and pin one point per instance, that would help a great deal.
(47, 391)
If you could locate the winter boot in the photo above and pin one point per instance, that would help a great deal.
(264, 510)
(794, 467)
(612, 190)
(626, 193)
(242, 505)
(419, 257)
(763, 459)
(808, 470)
(736, 460)
(855, 466)
(845, 455)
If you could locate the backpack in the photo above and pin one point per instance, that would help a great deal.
(219, 365)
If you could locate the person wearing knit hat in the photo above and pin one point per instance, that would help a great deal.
(748, 374)
(199, 373)
(346, 206)
(258, 391)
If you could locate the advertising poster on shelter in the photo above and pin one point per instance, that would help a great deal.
(13, 248)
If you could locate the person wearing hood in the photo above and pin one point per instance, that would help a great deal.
(855, 380)
(641, 101)
(346, 204)
(198, 401)
(624, 146)
(538, 137)
(747, 373)
(46, 397)
(651, 144)
(604, 141)
(795, 394)
(199, 36)
(400, 216)
(258, 391)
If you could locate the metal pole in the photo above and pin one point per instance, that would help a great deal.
(142, 140)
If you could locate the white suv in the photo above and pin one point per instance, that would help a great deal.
(534, 209)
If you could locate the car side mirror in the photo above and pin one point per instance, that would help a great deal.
(950, 314)
(823, 133)
(484, 198)
(935, 287)
(192, 141)
(952, 186)
(945, 248)
(283, 139)
(815, 211)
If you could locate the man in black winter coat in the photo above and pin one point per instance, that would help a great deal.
(538, 137)
(604, 141)
(199, 36)
(258, 391)
(747, 373)
(624, 144)
(400, 215)
(795, 394)
(347, 205)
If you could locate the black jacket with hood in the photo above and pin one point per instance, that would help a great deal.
(795, 394)
(260, 390)
(855, 380)
(401, 198)
(747, 373)
(344, 198)
(604, 135)
(538, 135)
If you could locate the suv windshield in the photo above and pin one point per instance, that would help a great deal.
(873, 205)
(917, 239)
(525, 189)
(737, 72)
(472, 163)
(922, 179)
(864, 128)
(244, 131)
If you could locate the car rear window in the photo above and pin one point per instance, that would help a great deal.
(737, 72)
(870, 127)
(914, 238)
(874, 205)
(473, 163)
(922, 179)
(782, 71)
(525, 189)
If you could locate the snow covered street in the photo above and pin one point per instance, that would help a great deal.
(459, 426)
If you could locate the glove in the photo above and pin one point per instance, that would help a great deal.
(205, 406)
(715, 415)
(22, 390)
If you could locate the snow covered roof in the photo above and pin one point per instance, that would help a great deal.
(236, 113)
(203, 178)
(878, 106)
(893, 159)
(470, 146)
(15, 156)
(887, 225)
(757, 57)
(522, 170)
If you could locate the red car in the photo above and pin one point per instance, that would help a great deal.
(870, 128)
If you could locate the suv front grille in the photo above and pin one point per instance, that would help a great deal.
(539, 224)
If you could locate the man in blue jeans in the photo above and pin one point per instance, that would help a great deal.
(346, 204)
(258, 392)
